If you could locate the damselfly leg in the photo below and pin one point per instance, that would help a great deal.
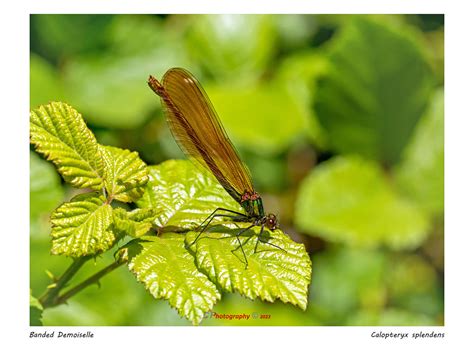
(236, 217)
(213, 215)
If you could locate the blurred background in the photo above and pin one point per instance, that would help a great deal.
(340, 119)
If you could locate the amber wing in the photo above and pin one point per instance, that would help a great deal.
(199, 132)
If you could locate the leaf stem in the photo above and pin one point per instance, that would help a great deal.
(51, 294)
(90, 281)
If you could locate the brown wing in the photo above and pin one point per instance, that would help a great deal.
(198, 130)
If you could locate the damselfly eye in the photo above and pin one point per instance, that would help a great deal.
(271, 222)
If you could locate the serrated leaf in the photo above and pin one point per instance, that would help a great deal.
(82, 227)
(168, 271)
(135, 223)
(125, 174)
(348, 199)
(270, 274)
(143, 214)
(185, 195)
(420, 174)
(375, 89)
(61, 135)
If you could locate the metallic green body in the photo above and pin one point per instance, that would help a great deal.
(254, 208)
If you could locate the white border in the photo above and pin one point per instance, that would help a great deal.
(241, 6)
(290, 340)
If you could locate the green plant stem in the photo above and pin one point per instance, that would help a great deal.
(90, 281)
(51, 294)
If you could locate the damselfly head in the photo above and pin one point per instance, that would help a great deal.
(271, 222)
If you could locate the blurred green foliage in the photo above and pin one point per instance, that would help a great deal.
(36, 310)
(374, 90)
(348, 199)
(420, 174)
(339, 117)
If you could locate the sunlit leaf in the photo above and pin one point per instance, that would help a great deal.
(375, 90)
(82, 226)
(135, 223)
(168, 271)
(61, 135)
(271, 273)
(349, 200)
(185, 194)
(125, 174)
(188, 195)
(420, 174)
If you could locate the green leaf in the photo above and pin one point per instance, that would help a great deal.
(135, 223)
(420, 174)
(265, 118)
(271, 273)
(125, 174)
(46, 191)
(375, 90)
(36, 312)
(185, 195)
(349, 200)
(168, 271)
(61, 135)
(82, 226)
